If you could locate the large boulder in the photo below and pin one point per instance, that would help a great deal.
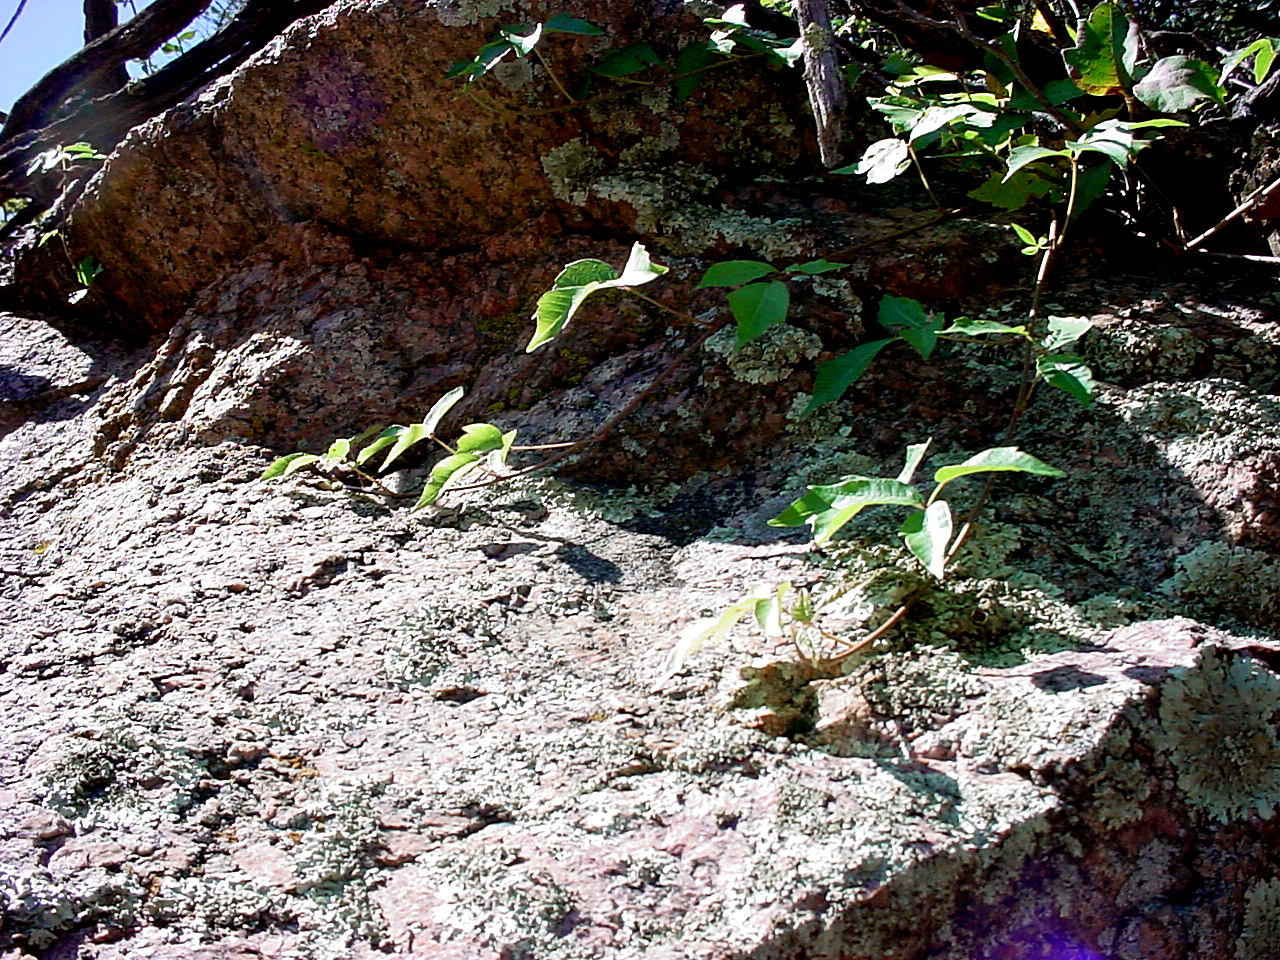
(294, 719)
(347, 122)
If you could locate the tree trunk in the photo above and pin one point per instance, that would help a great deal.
(100, 18)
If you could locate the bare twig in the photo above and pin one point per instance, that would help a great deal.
(1257, 198)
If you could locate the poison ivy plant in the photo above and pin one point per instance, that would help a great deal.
(928, 532)
(481, 447)
(731, 37)
(578, 281)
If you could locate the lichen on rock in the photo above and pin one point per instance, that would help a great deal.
(1260, 928)
(771, 357)
(1225, 583)
(1218, 727)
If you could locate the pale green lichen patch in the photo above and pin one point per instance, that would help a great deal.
(665, 194)
(431, 645)
(465, 13)
(36, 908)
(334, 860)
(1220, 582)
(921, 691)
(212, 902)
(1218, 727)
(120, 773)
(769, 358)
(1039, 730)
(1123, 350)
(1260, 927)
(571, 168)
(1207, 421)
(489, 898)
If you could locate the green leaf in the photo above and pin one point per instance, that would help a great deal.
(1061, 91)
(479, 438)
(927, 533)
(521, 42)
(1015, 192)
(1115, 139)
(87, 270)
(906, 318)
(882, 161)
(564, 23)
(915, 454)
(384, 439)
(628, 60)
(814, 267)
(975, 328)
(1101, 63)
(439, 409)
(1178, 83)
(1019, 157)
(490, 54)
(899, 312)
(996, 459)
(449, 472)
(1262, 50)
(638, 269)
(757, 307)
(412, 434)
(788, 55)
(1090, 185)
(731, 273)
(828, 508)
(338, 450)
(288, 464)
(836, 376)
(83, 150)
(701, 632)
(1065, 330)
(1070, 373)
(768, 611)
(577, 281)
(937, 117)
(691, 63)
(1027, 237)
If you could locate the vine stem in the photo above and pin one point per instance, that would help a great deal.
(915, 160)
(960, 25)
(554, 78)
(1254, 199)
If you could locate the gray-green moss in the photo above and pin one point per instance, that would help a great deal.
(1217, 725)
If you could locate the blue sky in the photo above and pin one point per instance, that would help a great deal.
(47, 33)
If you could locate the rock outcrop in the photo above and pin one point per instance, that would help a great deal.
(294, 719)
